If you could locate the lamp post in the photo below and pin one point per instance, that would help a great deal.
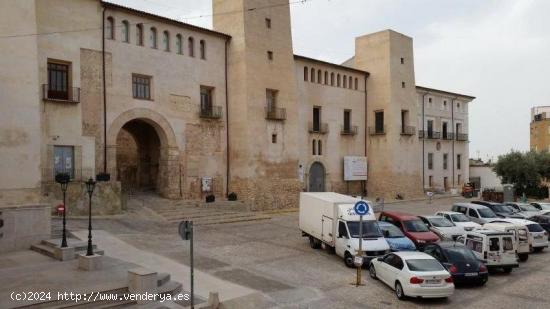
(90, 185)
(63, 180)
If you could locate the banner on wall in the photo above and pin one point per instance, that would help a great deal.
(355, 168)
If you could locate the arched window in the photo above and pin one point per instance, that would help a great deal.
(306, 71)
(326, 78)
(179, 44)
(319, 147)
(350, 82)
(313, 147)
(139, 34)
(332, 79)
(345, 82)
(356, 83)
(312, 76)
(338, 80)
(166, 41)
(191, 45)
(153, 37)
(202, 44)
(110, 28)
(319, 76)
(125, 31)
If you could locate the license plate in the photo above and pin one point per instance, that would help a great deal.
(538, 237)
(470, 274)
(433, 281)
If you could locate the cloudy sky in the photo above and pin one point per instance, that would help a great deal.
(495, 50)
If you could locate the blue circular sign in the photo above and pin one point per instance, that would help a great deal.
(361, 208)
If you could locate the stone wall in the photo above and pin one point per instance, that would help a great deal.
(23, 225)
(106, 199)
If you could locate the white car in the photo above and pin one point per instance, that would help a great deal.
(445, 229)
(525, 210)
(459, 219)
(414, 274)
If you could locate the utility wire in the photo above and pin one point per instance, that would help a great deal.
(120, 25)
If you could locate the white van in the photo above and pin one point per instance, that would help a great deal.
(329, 218)
(496, 249)
(521, 236)
(538, 237)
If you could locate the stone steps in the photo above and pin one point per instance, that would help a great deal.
(47, 247)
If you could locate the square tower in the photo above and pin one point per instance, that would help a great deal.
(393, 149)
(262, 93)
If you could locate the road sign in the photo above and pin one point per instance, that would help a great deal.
(185, 229)
(361, 208)
(358, 261)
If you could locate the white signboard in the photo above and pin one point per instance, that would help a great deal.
(206, 184)
(355, 168)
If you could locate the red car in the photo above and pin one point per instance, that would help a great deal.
(411, 226)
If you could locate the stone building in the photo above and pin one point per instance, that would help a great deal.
(539, 129)
(92, 87)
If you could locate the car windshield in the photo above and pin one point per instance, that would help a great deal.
(535, 228)
(503, 208)
(460, 254)
(460, 218)
(528, 207)
(486, 213)
(370, 229)
(415, 226)
(424, 265)
(391, 231)
(441, 222)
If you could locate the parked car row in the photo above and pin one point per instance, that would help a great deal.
(472, 239)
(424, 256)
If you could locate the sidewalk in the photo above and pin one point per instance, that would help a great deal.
(204, 283)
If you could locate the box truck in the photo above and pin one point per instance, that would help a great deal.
(329, 218)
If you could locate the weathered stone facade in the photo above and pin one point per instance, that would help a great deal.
(233, 109)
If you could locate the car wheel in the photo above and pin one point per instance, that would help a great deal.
(399, 291)
(539, 249)
(482, 282)
(372, 272)
(507, 270)
(314, 243)
(523, 257)
(348, 260)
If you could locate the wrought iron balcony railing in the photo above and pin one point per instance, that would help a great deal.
(349, 130)
(275, 113)
(211, 112)
(462, 137)
(61, 94)
(447, 136)
(377, 130)
(408, 130)
(318, 127)
(429, 134)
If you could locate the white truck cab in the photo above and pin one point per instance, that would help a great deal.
(329, 218)
(495, 248)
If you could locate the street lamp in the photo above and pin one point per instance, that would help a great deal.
(63, 179)
(90, 185)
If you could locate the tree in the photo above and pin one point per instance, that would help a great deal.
(528, 171)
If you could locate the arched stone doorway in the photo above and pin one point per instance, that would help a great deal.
(149, 157)
(137, 156)
(316, 181)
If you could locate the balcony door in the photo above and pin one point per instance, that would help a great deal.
(58, 81)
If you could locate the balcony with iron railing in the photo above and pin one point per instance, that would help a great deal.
(348, 130)
(275, 113)
(318, 127)
(408, 130)
(447, 136)
(211, 112)
(60, 94)
(462, 137)
(377, 130)
(427, 134)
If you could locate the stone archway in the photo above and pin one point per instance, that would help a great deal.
(317, 175)
(151, 143)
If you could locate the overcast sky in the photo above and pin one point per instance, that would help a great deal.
(497, 51)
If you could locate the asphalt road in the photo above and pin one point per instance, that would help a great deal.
(272, 258)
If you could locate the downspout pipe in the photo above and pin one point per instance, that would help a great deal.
(366, 133)
(227, 158)
(104, 176)
(423, 142)
(455, 135)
